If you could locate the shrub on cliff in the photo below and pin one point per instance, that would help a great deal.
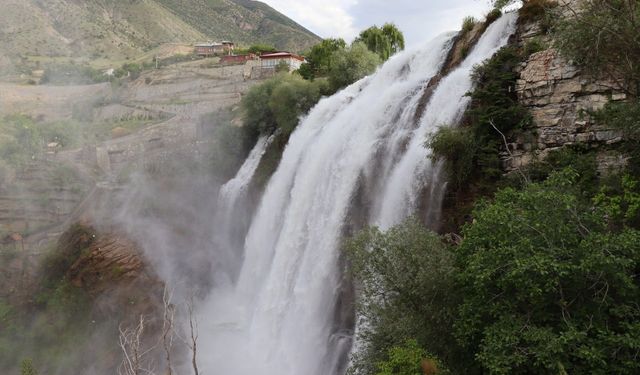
(601, 36)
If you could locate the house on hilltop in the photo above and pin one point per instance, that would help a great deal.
(269, 61)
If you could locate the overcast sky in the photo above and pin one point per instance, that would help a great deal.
(420, 20)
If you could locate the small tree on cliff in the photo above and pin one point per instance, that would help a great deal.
(602, 37)
(26, 367)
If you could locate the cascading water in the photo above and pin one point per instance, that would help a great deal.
(445, 108)
(233, 209)
(279, 318)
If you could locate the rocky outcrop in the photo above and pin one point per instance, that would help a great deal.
(112, 271)
(561, 100)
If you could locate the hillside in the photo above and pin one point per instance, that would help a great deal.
(116, 30)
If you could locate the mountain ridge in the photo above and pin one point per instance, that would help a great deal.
(118, 30)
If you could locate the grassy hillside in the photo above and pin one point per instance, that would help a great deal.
(117, 30)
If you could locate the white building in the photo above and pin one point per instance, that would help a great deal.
(272, 60)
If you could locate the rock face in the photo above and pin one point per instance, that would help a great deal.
(560, 98)
(112, 271)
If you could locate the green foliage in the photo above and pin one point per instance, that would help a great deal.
(259, 49)
(320, 58)
(352, 64)
(472, 153)
(468, 23)
(621, 202)
(27, 368)
(602, 38)
(279, 102)
(622, 115)
(410, 359)
(546, 287)
(533, 45)
(69, 248)
(22, 139)
(492, 16)
(458, 147)
(536, 10)
(407, 276)
(581, 160)
(494, 98)
(385, 41)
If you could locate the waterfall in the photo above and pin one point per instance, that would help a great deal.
(233, 210)
(279, 318)
(445, 108)
(234, 188)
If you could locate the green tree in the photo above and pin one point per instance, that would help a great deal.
(320, 58)
(602, 37)
(384, 41)
(352, 64)
(410, 359)
(546, 287)
(292, 98)
(279, 102)
(407, 279)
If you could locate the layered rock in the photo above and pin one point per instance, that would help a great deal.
(561, 100)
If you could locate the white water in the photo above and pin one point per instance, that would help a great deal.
(280, 317)
(234, 188)
(233, 211)
(445, 108)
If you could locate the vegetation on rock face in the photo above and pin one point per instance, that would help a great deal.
(472, 151)
(602, 37)
(53, 326)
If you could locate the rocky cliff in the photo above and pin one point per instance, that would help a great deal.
(561, 100)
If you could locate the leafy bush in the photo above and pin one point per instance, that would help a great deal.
(458, 147)
(602, 38)
(533, 45)
(69, 248)
(536, 10)
(468, 23)
(320, 58)
(406, 275)
(22, 139)
(581, 160)
(491, 17)
(352, 64)
(546, 288)
(621, 201)
(27, 368)
(472, 152)
(622, 115)
(410, 359)
(72, 74)
(279, 102)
